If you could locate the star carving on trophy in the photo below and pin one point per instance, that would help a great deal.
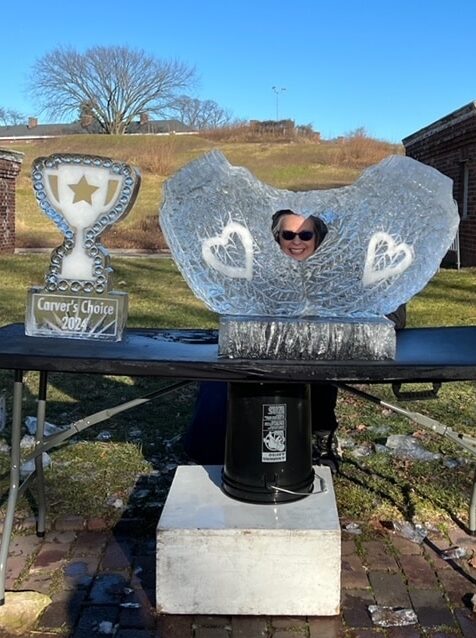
(83, 191)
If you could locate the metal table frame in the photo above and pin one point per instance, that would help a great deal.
(423, 355)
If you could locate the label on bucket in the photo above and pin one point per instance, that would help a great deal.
(273, 449)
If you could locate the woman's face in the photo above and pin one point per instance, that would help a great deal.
(296, 247)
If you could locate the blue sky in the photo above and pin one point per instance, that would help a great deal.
(391, 67)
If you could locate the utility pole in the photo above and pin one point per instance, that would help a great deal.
(277, 91)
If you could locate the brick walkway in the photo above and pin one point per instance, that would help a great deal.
(92, 575)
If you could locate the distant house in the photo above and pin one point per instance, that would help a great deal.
(33, 130)
(449, 145)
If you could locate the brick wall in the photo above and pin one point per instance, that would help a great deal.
(10, 165)
(449, 145)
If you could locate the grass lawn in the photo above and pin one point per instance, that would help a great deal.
(90, 476)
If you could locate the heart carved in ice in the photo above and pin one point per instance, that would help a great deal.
(227, 241)
(387, 234)
(385, 259)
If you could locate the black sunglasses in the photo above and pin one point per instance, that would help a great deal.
(304, 235)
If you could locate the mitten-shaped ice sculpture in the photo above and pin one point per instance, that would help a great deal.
(387, 234)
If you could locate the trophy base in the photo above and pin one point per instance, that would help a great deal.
(76, 316)
(307, 338)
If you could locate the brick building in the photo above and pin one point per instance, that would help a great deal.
(10, 165)
(449, 145)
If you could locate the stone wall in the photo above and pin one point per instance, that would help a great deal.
(10, 165)
(449, 145)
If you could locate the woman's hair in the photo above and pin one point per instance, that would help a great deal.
(320, 227)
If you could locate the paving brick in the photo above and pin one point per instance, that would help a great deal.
(144, 570)
(70, 523)
(20, 545)
(353, 574)
(15, 566)
(56, 615)
(212, 621)
(64, 595)
(213, 632)
(91, 617)
(324, 627)
(212, 626)
(466, 622)
(456, 585)
(108, 589)
(40, 582)
(461, 538)
(135, 633)
(431, 608)
(21, 551)
(96, 524)
(79, 572)
(150, 593)
(56, 536)
(63, 613)
(142, 617)
(90, 543)
(355, 607)
(410, 631)
(377, 556)
(348, 548)
(365, 633)
(433, 552)
(249, 626)
(418, 572)
(389, 589)
(130, 527)
(288, 622)
(171, 626)
(116, 556)
(51, 556)
(146, 547)
(405, 546)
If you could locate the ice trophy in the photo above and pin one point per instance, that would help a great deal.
(387, 234)
(83, 195)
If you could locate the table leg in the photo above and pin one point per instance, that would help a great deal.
(40, 476)
(472, 510)
(14, 479)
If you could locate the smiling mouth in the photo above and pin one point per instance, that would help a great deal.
(297, 253)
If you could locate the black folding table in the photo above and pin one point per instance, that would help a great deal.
(434, 355)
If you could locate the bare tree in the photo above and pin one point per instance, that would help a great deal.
(201, 114)
(116, 84)
(9, 117)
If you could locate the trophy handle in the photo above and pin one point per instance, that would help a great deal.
(51, 184)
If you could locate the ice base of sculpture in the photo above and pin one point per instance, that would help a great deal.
(308, 338)
(80, 316)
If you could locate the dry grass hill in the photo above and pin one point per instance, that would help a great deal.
(295, 164)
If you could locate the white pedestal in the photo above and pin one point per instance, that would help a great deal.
(217, 555)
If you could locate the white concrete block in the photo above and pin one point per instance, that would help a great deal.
(217, 555)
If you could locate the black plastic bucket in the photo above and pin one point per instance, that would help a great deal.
(268, 451)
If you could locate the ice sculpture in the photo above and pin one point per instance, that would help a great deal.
(387, 235)
(83, 195)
